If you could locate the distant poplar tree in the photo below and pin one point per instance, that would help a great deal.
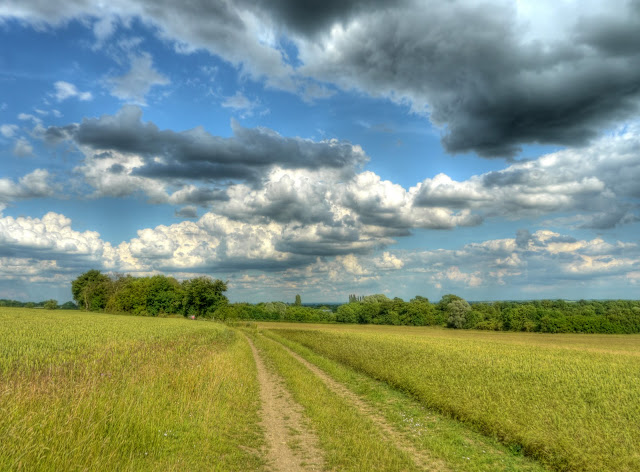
(298, 300)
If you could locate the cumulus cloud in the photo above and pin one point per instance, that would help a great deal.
(135, 84)
(51, 234)
(544, 259)
(214, 244)
(598, 181)
(33, 185)
(65, 90)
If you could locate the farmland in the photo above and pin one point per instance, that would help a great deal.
(94, 391)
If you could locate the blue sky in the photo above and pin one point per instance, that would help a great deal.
(406, 148)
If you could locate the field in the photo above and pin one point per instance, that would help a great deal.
(86, 391)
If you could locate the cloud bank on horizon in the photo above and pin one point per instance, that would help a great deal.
(324, 148)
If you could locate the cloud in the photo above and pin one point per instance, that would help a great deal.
(51, 234)
(492, 76)
(33, 185)
(133, 86)
(597, 181)
(22, 148)
(465, 65)
(51, 251)
(8, 131)
(65, 90)
(189, 211)
(241, 104)
(196, 154)
(544, 259)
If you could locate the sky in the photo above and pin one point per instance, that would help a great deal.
(323, 148)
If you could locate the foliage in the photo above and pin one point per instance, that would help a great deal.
(202, 296)
(149, 296)
(457, 311)
(91, 290)
(51, 304)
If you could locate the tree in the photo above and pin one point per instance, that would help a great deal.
(458, 311)
(298, 301)
(51, 304)
(91, 290)
(202, 296)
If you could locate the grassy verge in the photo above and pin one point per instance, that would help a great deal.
(445, 439)
(571, 408)
(350, 440)
(100, 392)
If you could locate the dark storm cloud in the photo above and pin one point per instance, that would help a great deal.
(479, 70)
(196, 154)
(489, 89)
(312, 16)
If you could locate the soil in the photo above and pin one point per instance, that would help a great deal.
(291, 443)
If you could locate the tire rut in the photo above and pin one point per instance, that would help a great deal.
(291, 444)
(421, 458)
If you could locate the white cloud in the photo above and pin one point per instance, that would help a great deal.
(240, 103)
(8, 131)
(133, 86)
(29, 117)
(388, 261)
(65, 90)
(51, 233)
(33, 185)
(22, 148)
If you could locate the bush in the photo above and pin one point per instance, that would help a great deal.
(51, 304)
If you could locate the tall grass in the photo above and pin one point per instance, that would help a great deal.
(572, 407)
(100, 392)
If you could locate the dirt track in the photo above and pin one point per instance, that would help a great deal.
(291, 444)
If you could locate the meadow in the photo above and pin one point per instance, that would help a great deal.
(85, 391)
(570, 401)
(90, 391)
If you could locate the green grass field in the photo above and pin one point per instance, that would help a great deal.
(571, 401)
(86, 391)
(83, 391)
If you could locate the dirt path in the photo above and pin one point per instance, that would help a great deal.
(291, 444)
(420, 458)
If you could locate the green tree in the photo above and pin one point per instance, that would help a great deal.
(202, 296)
(51, 304)
(458, 310)
(298, 301)
(91, 290)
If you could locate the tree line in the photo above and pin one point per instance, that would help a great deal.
(204, 297)
(48, 304)
(148, 296)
